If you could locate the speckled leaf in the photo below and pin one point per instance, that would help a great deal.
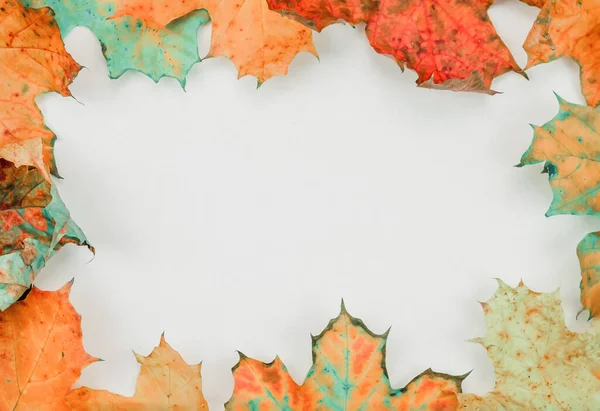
(539, 364)
(348, 373)
(33, 60)
(569, 145)
(132, 44)
(569, 28)
(260, 42)
(588, 251)
(451, 44)
(165, 382)
(41, 354)
(34, 225)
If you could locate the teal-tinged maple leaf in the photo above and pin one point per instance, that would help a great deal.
(569, 146)
(34, 224)
(132, 44)
(348, 373)
(588, 252)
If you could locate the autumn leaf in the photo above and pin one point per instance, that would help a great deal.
(348, 373)
(588, 252)
(34, 225)
(539, 364)
(569, 145)
(260, 42)
(165, 382)
(132, 44)
(33, 60)
(569, 28)
(451, 44)
(41, 354)
(535, 3)
(160, 12)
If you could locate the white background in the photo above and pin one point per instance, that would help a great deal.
(236, 219)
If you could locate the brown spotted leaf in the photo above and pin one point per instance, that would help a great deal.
(451, 44)
(569, 28)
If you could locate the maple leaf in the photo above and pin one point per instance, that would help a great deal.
(348, 373)
(165, 382)
(161, 12)
(569, 28)
(132, 44)
(588, 252)
(260, 42)
(539, 364)
(451, 44)
(34, 224)
(41, 354)
(569, 144)
(33, 60)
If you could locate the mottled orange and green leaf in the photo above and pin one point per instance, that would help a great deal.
(41, 354)
(539, 364)
(588, 252)
(569, 28)
(348, 373)
(569, 146)
(34, 224)
(165, 382)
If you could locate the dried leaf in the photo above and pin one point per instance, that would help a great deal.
(348, 373)
(569, 28)
(570, 146)
(588, 251)
(41, 354)
(34, 225)
(132, 44)
(535, 3)
(165, 382)
(448, 42)
(161, 12)
(260, 42)
(539, 364)
(33, 60)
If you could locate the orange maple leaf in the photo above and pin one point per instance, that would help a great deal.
(260, 42)
(569, 28)
(165, 382)
(348, 373)
(451, 44)
(41, 354)
(33, 60)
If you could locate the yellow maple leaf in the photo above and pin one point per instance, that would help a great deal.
(539, 364)
(165, 382)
